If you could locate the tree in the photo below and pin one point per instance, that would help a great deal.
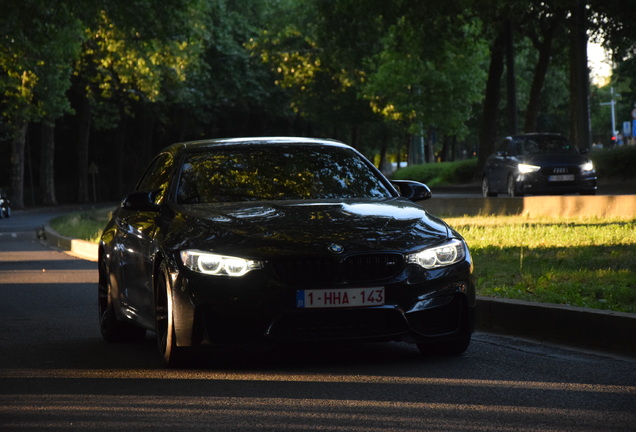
(39, 43)
(544, 28)
(133, 52)
(432, 85)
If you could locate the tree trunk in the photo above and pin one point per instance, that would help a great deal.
(511, 80)
(382, 164)
(119, 156)
(84, 129)
(148, 128)
(430, 145)
(540, 72)
(18, 143)
(581, 133)
(488, 131)
(47, 163)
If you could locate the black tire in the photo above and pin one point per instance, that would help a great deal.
(114, 331)
(172, 355)
(485, 188)
(513, 189)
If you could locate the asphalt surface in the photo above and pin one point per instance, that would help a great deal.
(57, 374)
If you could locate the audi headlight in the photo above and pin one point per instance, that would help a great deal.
(449, 253)
(587, 167)
(218, 265)
(525, 168)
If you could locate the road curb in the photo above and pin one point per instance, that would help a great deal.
(79, 248)
(592, 329)
(605, 206)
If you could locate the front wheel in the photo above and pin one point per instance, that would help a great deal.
(112, 330)
(164, 322)
(513, 189)
(485, 188)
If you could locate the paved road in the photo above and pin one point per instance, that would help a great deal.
(56, 374)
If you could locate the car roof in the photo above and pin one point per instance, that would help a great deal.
(252, 141)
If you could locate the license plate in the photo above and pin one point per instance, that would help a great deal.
(337, 298)
(563, 177)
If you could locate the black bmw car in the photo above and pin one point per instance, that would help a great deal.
(285, 240)
(538, 163)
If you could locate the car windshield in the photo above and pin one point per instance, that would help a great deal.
(276, 173)
(548, 145)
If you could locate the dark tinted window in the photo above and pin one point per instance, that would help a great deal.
(504, 146)
(277, 173)
(548, 145)
(157, 177)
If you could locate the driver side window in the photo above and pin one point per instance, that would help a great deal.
(504, 147)
(157, 177)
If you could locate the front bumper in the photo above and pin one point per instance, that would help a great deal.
(420, 307)
(538, 183)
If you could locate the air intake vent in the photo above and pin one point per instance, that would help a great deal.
(324, 270)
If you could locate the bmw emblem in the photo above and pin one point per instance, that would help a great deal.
(336, 248)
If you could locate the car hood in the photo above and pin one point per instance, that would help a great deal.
(554, 159)
(284, 227)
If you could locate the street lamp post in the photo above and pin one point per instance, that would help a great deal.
(612, 104)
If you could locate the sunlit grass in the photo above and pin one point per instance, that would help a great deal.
(522, 231)
(579, 261)
(85, 225)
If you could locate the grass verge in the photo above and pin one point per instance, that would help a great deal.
(579, 262)
(86, 225)
(586, 262)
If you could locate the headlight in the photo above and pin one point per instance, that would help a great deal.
(447, 254)
(217, 265)
(525, 168)
(587, 167)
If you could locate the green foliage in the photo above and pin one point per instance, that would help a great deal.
(442, 173)
(84, 225)
(367, 72)
(428, 74)
(129, 60)
(616, 162)
(578, 262)
(39, 42)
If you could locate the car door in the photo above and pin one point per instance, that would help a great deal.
(137, 231)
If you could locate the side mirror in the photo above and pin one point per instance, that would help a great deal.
(412, 190)
(140, 201)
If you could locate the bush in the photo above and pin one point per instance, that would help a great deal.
(617, 162)
(435, 174)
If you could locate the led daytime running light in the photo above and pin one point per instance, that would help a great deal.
(525, 168)
(447, 254)
(217, 265)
